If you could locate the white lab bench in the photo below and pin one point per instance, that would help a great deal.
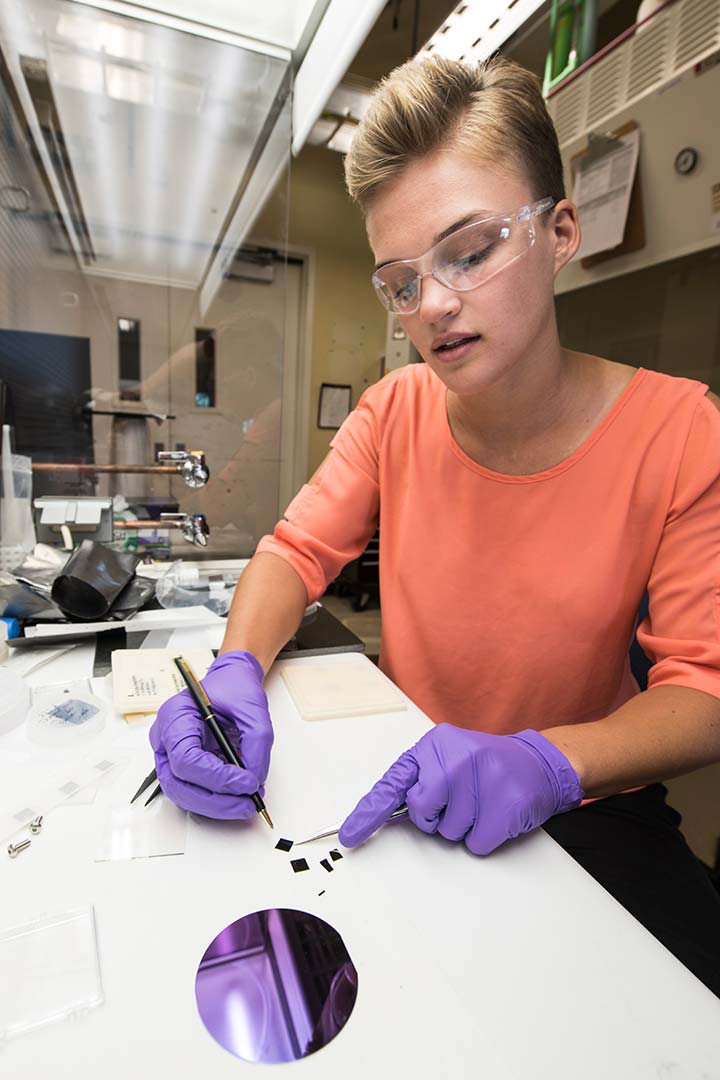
(516, 965)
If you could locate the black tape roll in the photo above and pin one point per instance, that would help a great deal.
(92, 579)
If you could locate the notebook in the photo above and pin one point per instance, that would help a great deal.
(144, 678)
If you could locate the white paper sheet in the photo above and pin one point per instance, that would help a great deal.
(602, 195)
(144, 678)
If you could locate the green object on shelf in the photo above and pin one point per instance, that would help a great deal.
(573, 32)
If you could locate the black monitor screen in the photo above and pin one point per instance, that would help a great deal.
(48, 378)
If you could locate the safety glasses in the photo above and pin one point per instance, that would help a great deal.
(462, 261)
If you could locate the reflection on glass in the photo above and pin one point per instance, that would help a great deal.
(276, 985)
(242, 492)
(204, 368)
(129, 357)
(130, 319)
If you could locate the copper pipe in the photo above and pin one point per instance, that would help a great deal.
(122, 525)
(49, 466)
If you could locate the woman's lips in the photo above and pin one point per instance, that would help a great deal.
(450, 354)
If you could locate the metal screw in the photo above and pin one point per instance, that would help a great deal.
(15, 849)
(36, 825)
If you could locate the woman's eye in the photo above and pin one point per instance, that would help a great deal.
(471, 259)
(405, 292)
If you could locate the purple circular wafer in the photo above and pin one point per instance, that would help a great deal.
(276, 985)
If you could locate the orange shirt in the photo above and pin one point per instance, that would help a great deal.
(510, 602)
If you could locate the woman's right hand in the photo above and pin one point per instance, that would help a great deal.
(190, 767)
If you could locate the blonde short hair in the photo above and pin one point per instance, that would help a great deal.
(494, 112)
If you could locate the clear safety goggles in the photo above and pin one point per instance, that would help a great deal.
(462, 261)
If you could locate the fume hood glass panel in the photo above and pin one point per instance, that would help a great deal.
(152, 130)
(129, 322)
(278, 22)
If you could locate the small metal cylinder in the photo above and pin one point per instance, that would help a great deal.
(15, 849)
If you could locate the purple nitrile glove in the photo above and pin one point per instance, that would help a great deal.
(466, 785)
(190, 767)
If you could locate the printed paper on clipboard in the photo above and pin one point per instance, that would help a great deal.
(602, 192)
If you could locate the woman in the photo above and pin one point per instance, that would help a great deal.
(528, 497)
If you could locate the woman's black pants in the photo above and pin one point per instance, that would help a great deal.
(632, 845)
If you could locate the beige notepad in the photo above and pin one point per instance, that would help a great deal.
(144, 678)
(324, 691)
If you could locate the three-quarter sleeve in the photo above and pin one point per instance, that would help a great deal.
(681, 633)
(334, 515)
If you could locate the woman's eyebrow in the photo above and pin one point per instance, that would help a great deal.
(446, 232)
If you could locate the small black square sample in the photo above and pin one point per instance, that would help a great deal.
(299, 865)
(328, 866)
(335, 855)
(283, 845)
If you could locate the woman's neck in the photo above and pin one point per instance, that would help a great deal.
(526, 406)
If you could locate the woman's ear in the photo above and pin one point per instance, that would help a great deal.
(566, 233)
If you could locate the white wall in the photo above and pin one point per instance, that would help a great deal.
(677, 210)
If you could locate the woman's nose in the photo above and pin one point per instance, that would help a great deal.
(437, 301)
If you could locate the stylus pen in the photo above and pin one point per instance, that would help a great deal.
(204, 705)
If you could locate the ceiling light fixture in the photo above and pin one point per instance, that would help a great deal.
(476, 29)
(133, 84)
(339, 120)
(102, 35)
(343, 137)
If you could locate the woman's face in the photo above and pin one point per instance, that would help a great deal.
(509, 319)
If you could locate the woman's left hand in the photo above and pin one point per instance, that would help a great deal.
(466, 785)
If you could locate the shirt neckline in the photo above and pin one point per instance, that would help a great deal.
(562, 466)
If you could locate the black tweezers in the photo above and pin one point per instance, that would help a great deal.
(149, 779)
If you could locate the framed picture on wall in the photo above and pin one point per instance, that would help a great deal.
(335, 404)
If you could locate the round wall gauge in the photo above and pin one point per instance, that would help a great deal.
(686, 160)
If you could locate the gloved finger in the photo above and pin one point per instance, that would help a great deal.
(211, 744)
(200, 801)
(488, 833)
(375, 808)
(429, 797)
(255, 746)
(459, 815)
(482, 839)
(417, 812)
(203, 768)
(178, 704)
(183, 738)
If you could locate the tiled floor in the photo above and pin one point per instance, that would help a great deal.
(696, 796)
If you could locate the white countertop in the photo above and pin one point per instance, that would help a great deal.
(516, 965)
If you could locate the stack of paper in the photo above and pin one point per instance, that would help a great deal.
(144, 678)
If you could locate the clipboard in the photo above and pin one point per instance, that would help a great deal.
(634, 234)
